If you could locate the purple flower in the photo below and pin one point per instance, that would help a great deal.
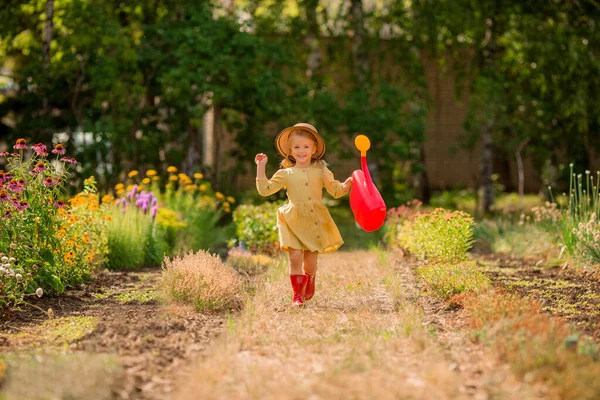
(49, 182)
(2, 176)
(39, 167)
(20, 145)
(15, 186)
(7, 214)
(40, 149)
(154, 210)
(68, 160)
(21, 205)
(59, 149)
(59, 204)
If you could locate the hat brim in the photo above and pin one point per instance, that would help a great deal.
(282, 140)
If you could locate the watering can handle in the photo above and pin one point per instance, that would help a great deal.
(363, 144)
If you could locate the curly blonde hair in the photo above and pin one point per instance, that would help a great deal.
(288, 161)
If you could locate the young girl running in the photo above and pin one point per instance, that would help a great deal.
(306, 228)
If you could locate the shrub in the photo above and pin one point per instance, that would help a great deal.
(202, 280)
(450, 279)
(441, 235)
(247, 263)
(256, 226)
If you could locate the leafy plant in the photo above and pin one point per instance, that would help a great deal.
(256, 226)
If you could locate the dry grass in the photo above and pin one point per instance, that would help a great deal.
(58, 376)
(361, 336)
(201, 280)
(537, 346)
(250, 264)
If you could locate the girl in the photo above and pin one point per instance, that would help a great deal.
(305, 225)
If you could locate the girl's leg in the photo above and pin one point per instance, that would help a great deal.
(310, 268)
(310, 262)
(297, 278)
(295, 262)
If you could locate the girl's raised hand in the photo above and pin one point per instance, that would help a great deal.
(347, 184)
(261, 159)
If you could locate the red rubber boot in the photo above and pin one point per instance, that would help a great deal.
(310, 286)
(299, 286)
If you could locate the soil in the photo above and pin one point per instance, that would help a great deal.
(154, 343)
(567, 292)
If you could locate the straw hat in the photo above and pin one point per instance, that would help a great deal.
(283, 138)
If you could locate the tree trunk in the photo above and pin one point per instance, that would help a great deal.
(521, 172)
(359, 53)
(217, 147)
(487, 162)
(422, 184)
(193, 156)
(315, 56)
(46, 40)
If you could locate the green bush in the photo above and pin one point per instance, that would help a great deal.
(440, 235)
(256, 226)
(449, 279)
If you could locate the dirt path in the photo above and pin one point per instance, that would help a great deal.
(368, 333)
(118, 315)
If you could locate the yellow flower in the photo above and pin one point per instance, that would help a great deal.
(198, 176)
(129, 187)
(183, 176)
(151, 172)
(155, 178)
(226, 205)
(140, 188)
(190, 188)
(146, 181)
(203, 188)
(230, 199)
(120, 192)
(172, 169)
(168, 186)
(119, 186)
(107, 199)
(173, 178)
(132, 173)
(219, 195)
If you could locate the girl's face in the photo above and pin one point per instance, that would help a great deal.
(302, 149)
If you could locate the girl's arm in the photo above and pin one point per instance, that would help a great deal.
(267, 187)
(335, 188)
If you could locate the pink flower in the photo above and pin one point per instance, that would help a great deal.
(48, 181)
(4, 153)
(4, 195)
(69, 160)
(40, 149)
(39, 167)
(7, 214)
(21, 144)
(59, 204)
(15, 186)
(59, 149)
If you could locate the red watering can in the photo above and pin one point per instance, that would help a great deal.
(366, 202)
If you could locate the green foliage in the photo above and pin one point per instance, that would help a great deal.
(448, 279)
(30, 190)
(256, 226)
(440, 235)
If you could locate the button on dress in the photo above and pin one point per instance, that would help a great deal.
(304, 223)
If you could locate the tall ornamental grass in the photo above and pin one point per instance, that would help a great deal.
(132, 238)
(201, 280)
(191, 215)
(580, 228)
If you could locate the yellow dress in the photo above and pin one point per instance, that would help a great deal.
(304, 223)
